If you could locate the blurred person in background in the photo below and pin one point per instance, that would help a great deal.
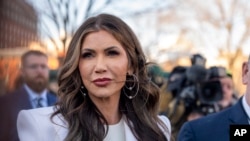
(159, 77)
(229, 96)
(197, 92)
(32, 93)
(215, 126)
(226, 79)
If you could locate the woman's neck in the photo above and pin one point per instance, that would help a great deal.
(113, 119)
(110, 110)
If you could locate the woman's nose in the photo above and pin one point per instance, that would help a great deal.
(100, 65)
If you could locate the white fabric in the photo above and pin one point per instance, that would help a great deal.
(35, 125)
(246, 107)
(116, 132)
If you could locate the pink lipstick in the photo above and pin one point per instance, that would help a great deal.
(101, 82)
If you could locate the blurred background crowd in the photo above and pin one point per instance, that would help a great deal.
(198, 48)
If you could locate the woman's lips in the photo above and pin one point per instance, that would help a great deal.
(101, 82)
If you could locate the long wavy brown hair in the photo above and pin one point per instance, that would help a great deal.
(85, 121)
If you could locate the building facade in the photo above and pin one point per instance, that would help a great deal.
(19, 28)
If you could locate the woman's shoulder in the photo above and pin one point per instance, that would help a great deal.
(40, 111)
(167, 124)
(165, 120)
(42, 115)
(37, 114)
(37, 123)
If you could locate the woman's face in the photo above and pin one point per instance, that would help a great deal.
(103, 65)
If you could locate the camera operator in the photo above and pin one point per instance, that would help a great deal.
(185, 85)
(223, 125)
(229, 96)
(194, 93)
(197, 92)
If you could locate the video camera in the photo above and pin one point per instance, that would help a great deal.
(195, 86)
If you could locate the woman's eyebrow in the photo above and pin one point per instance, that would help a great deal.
(87, 49)
(111, 47)
(106, 49)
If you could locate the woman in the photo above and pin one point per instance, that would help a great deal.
(104, 92)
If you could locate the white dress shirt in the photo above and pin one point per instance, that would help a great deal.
(246, 107)
(34, 96)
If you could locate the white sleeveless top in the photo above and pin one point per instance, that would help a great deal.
(116, 132)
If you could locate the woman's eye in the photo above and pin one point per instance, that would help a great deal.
(87, 55)
(113, 53)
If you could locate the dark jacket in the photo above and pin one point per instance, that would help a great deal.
(214, 127)
(10, 105)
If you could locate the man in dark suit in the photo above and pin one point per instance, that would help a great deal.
(32, 94)
(216, 127)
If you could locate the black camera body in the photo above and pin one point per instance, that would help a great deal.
(196, 91)
(193, 86)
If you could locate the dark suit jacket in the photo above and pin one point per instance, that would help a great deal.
(10, 105)
(214, 127)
